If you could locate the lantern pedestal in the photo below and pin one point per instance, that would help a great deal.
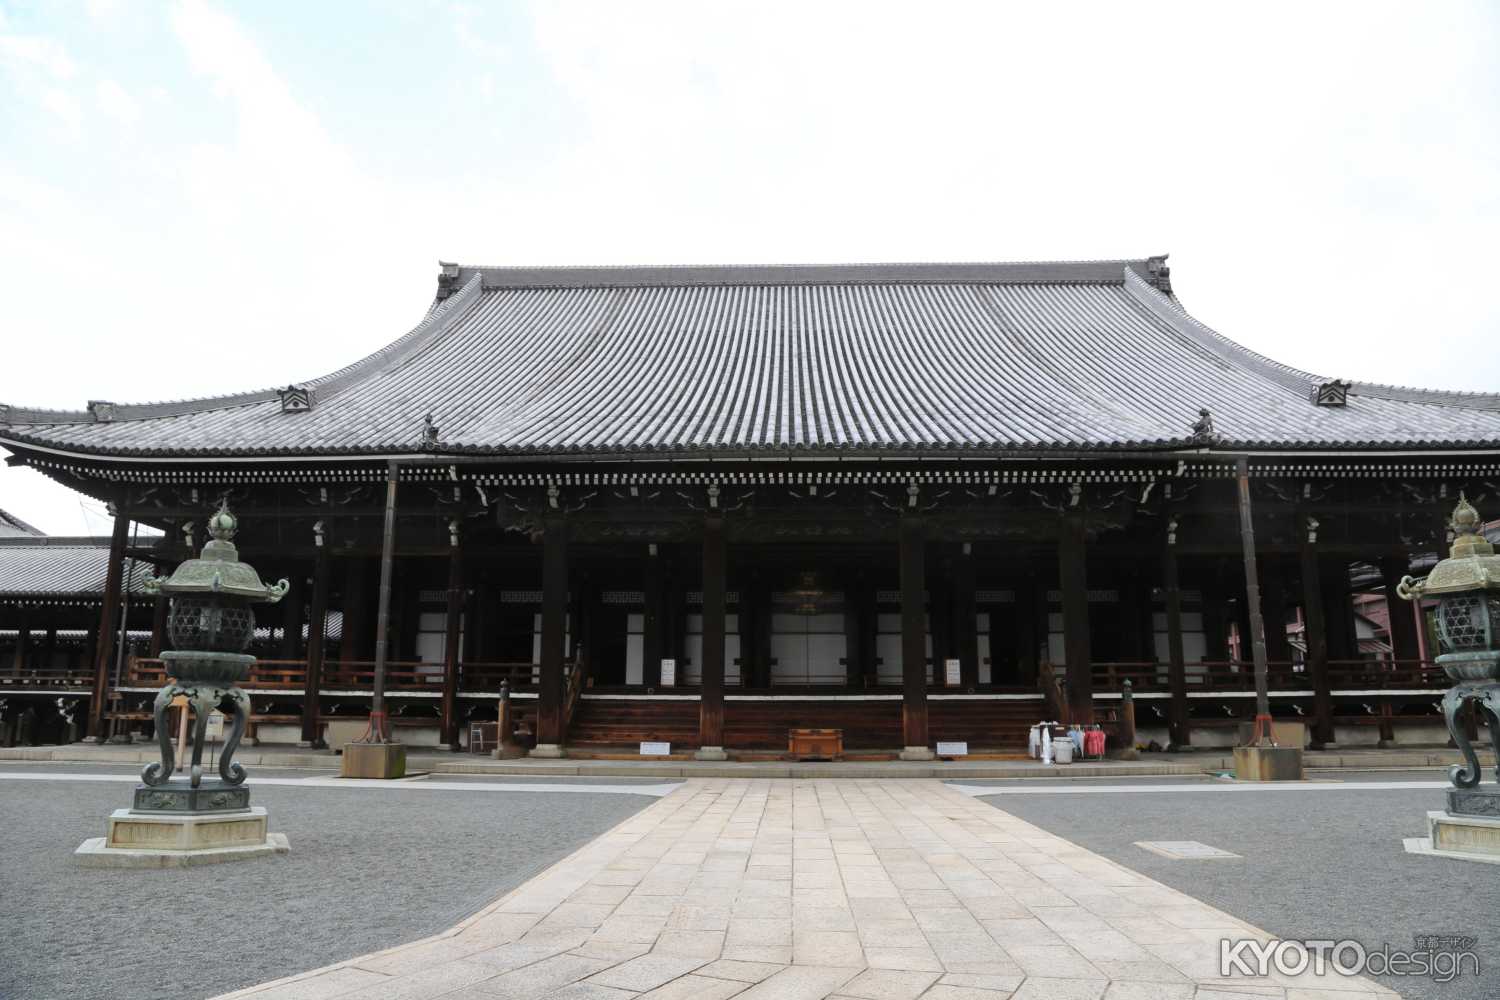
(151, 838)
(1255, 763)
(373, 760)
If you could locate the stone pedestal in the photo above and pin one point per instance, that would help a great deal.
(151, 839)
(710, 753)
(917, 753)
(373, 760)
(1268, 763)
(1460, 837)
(551, 751)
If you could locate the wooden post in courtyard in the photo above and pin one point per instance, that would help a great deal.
(552, 686)
(913, 641)
(711, 699)
(317, 630)
(1262, 734)
(104, 638)
(1315, 634)
(1180, 731)
(452, 621)
(1077, 649)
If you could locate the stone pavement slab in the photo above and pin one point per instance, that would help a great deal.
(859, 889)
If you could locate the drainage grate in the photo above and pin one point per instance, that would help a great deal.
(1183, 850)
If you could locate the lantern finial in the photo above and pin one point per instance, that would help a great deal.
(1467, 538)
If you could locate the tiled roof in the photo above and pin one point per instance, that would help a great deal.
(13, 527)
(854, 360)
(54, 566)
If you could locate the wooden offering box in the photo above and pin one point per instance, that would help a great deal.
(815, 744)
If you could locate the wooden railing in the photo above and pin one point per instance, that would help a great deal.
(48, 677)
(486, 677)
(357, 675)
(266, 675)
(1239, 675)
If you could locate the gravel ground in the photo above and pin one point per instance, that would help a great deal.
(1323, 865)
(368, 869)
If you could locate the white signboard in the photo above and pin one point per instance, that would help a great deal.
(952, 674)
(215, 725)
(668, 673)
(953, 749)
(655, 749)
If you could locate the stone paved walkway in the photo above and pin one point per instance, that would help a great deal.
(778, 890)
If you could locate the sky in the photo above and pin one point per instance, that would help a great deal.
(200, 197)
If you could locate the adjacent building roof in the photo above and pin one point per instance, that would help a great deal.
(13, 527)
(57, 567)
(851, 360)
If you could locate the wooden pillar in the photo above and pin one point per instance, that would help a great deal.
(940, 615)
(1315, 633)
(966, 627)
(317, 632)
(23, 642)
(1273, 608)
(291, 616)
(1215, 626)
(913, 641)
(653, 587)
(1403, 625)
(552, 687)
(1072, 556)
(451, 640)
(159, 624)
(104, 637)
(356, 613)
(1031, 616)
(1180, 730)
(711, 700)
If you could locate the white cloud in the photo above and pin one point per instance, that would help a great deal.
(37, 52)
(117, 103)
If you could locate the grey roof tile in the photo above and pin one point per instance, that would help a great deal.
(55, 566)
(849, 359)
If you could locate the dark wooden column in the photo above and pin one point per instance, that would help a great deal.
(552, 688)
(23, 641)
(1072, 556)
(940, 614)
(317, 633)
(291, 615)
(159, 624)
(104, 638)
(451, 640)
(1403, 626)
(1315, 633)
(966, 628)
(1031, 612)
(653, 587)
(356, 612)
(1180, 731)
(1215, 624)
(1273, 608)
(913, 640)
(711, 702)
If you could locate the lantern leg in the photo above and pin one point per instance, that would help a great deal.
(239, 703)
(1461, 775)
(157, 773)
(202, 706)
(1490, 702)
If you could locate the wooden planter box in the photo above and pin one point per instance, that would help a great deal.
(815, 744)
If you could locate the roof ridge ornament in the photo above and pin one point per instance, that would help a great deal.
(1203, 429)
(1332, 393)
(295, 398)
(430, 432)
(1160, 274)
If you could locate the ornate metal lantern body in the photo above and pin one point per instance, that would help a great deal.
(211, 623)
(1467, 587)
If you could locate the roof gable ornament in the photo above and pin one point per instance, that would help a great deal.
(447, 279)
(1333, 393)
(1203, 429)
(430, 433)
(102, 410)
(295, 399)
(1159, 274)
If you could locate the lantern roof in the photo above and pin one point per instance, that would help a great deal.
(218, 570)
(1471, 564)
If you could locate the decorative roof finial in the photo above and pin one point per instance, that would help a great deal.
(1468, 536)
(1203, 428)
(429, 433)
